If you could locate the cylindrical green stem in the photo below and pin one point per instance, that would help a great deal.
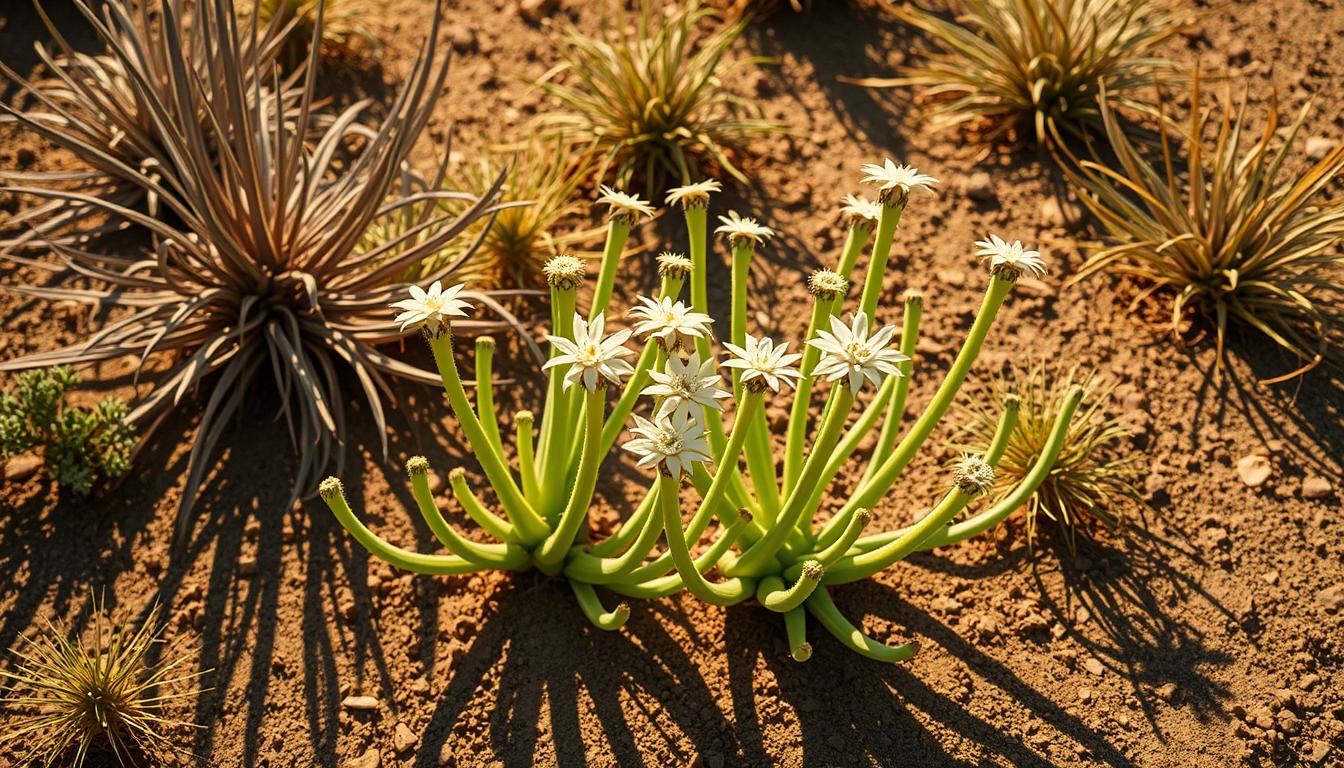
(592, 607)
(629, 396)
(527, 467)
(772, 593)
(853, 528)
(529, 525)
(891, 425)
(796, 433)
(868, 493)
(730, 591)
(503, 556)
(488, 520)
(849, 255)
(553, 550)
(821, 606)
(760, 553)
(1030, 482)
(554, 416)
(485, 391)
(877, 265)
(861, 566)
(436, 565)
(795, 624)
(602, 570)
(617, 232)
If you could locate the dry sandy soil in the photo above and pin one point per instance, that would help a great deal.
(1211, 635)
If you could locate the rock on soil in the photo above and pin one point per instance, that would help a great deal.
(360, 702)
(1316, 488)
(403, 740)
(370, 759)
(22, 467)
(1254, 470)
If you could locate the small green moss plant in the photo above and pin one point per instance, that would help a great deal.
(74, 693)
(1093, 479)
(81, 445)
(768, 544)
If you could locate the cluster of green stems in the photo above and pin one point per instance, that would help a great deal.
(767, 542)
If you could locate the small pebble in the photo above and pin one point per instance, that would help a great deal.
(980, 187)
(1316, 488)
(370, 759)
(360, 702)
(403, 739)
(1318, 147)
(536, 10)
(1093, 666)
(22, 466)
(1253, 470)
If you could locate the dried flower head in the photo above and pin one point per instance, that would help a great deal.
(848, 351)
(623, 207)
(674, 265)
(1009, 260)
(593, 360)
(895, 182)
(763, 364)
(825, 284)
(331, 488)
(670, 442)
(687, 386)
(565, 272)
(743, 230)
(672, 323)
(432, 309)
(972, 475)
(859, 211)
(693, 195)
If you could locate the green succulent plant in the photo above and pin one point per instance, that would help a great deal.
(757, 507)
(81, 446)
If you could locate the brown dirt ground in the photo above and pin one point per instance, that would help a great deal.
(1210, 636)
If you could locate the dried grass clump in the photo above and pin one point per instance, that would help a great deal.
(542, 180)
(1093, 479)
(1236, 233)
(1036, 67)
(75, 694)
(260, 271)
(653, 102)
(342, 24)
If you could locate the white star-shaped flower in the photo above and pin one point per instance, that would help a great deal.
(860, 210)
(740, 230)
(433, 308)
(623, 207)
(896, 181)
(848, 351)
(763, 364)
(692, 194)
(1009, 260)
(592, 359)
(686, 386)
(675, 442)
(671, 322)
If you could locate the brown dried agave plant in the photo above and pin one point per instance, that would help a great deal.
(73, 697)
(263, 271)
(1234, 233)
(1093, 478)
(1036, 67)
(102, 108)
